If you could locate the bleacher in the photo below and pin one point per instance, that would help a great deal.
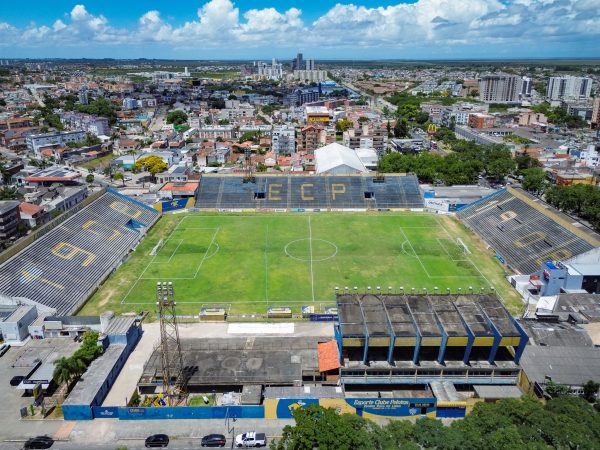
(525, 231)
(63, 267)
(309, 192)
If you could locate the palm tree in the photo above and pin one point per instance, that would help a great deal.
(63, 371)
(78, 366)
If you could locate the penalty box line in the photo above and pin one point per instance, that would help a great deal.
(140, 277)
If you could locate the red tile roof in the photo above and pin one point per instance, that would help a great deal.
(329, 357)
(29, 208)
(179, 187)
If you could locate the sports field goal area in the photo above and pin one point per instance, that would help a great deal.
(253, 262)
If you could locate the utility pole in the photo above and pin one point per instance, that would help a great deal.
(174, 376)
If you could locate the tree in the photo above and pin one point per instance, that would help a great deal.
(152, 164)
(323, 428)
(401, 128)
(500, 168)
(342, 125)
(177, 117)
(363, 119)
(555, 389)
(63, 371)
(119, 176)
(534, 180)
(9, 193)
(89, 178)
(590, 390)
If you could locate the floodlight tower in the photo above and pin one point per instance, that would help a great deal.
(170, 346)
(248, 169)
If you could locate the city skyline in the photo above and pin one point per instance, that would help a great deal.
(369, 29)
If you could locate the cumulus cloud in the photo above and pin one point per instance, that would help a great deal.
(428, 23)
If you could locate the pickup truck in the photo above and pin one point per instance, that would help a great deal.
(251, 439)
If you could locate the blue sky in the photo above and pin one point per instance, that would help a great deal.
(326, 29)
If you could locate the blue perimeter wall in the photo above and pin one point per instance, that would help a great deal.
(185, 412)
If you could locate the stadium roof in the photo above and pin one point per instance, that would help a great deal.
(336, 155)
(433, 316)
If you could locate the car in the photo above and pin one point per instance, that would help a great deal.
(251, 439)
(157, 440)
(213, 440)
(4, 348)
(15, 381)
(38, 442)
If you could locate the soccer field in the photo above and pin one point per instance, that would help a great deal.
(248, 263)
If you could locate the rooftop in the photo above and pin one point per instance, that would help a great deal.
(88, 386)
(54, 174)
(564, 365)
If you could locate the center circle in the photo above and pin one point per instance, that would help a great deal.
(303, 249)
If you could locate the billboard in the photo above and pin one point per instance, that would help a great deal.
(372, 408)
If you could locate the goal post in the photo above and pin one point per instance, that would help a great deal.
(157, 248)
(461, 244)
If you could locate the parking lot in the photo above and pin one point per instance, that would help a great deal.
(20, 361)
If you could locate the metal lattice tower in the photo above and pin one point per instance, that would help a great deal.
(248, 169)
(174, 376)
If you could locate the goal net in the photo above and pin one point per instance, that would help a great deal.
(462, 245)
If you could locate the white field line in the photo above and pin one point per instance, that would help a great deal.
(441, 244)
(415, 253)
(171, 278)
(312, 275)
(175, 251)
(267, 265)
(476, 268)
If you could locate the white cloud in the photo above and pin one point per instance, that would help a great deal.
(219, 24)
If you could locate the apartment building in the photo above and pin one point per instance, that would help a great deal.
(500, 88)
(569, 87)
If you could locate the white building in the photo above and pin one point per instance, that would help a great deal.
(315, 76)
(35, 141)
(336, 159)
(283, 140)
(270, 72)
(569, 87)
(499, 88)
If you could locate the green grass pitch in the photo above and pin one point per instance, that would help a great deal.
(251, 262)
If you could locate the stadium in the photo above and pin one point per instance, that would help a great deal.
(421, 303)
(290, 242)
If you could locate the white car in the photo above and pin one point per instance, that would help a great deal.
(251, 439)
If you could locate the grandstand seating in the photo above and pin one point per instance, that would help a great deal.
(308, 192)
(523, 235)
(63, 267)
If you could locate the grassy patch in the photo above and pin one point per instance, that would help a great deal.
(249, 262)
(199, 401)
(98, 162)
